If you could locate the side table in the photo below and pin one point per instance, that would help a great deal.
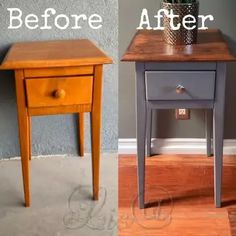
(172, 77)
(57, 77)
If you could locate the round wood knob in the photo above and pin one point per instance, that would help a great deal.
(60, 93)
(180, 89)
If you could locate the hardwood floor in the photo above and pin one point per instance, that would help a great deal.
(180, 191)
(232, 220)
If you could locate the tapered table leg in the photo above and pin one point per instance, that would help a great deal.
(81, 133)
(208, 131)
(24, 129)
(149, 132)
(96, 128)
(218, 129)
(141, 131)
(30, 137)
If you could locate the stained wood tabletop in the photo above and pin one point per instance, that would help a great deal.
(148, 46)
(59, 53)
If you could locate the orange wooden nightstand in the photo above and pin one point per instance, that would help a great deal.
(57, 77)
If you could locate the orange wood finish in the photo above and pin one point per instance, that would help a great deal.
(23, 121)
(96, 118)
(232, 220)
(59, 91)
(59, 110)
(148, 46)
(30, 137)
(66, 71)
(81, 133)
(60, 53)
(57, 77)
(183, 199)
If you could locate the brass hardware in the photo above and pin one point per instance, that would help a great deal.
(180, 89)
(60, 94)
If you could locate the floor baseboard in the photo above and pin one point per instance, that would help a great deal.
(175, 146)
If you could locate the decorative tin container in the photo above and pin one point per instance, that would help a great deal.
(182, 36)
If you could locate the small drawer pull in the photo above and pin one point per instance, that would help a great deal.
(59, 94)
(180, 89)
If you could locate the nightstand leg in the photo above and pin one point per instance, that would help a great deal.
(149, 132)
(81, 133)
(23, 123)
(96, 128)
(141, 131)
(208, 130)
(30, 137)
(218, 129)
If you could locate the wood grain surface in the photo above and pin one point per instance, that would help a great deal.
(58, 71)
(54, 54)
(41, 92)
(181, 196)
(148, 46)
(232, 220)
(24, 135)
(81, 133)
(95, 124)
(58, 77)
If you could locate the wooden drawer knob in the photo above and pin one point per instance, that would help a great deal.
(180, 89)
(60, 93)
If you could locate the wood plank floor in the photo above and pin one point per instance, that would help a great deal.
(180, 191)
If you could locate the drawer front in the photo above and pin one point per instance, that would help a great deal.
(180, 85)
(60, 91)
(52, 72)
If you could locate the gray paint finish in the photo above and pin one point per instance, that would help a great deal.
(162, 85)
(141, 122)
(218, 130)
(144, 124)
(165, 125)
(58, 134)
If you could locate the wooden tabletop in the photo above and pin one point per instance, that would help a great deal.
(54, 54)
(148, 45)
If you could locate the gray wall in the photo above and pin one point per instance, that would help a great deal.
(57, 134)
(166, 125)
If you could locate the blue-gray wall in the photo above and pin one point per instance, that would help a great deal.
(57, 134)
(165, 124)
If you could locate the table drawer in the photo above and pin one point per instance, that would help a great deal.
(180, 85)
(60, 91)
(54, 72)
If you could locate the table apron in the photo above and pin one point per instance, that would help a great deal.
(198, 104)
(182, 66)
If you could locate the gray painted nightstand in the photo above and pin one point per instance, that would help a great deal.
(170, 77)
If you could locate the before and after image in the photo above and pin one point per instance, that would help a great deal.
(117, 118)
